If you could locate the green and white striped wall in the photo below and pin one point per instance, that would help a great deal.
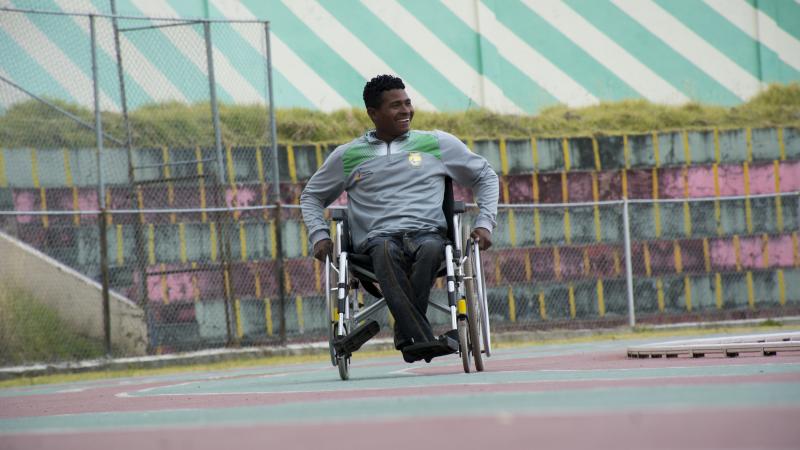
(515, 56)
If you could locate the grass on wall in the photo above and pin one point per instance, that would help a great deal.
(30, 332)
(176, 124)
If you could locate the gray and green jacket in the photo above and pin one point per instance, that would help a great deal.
(397, 187)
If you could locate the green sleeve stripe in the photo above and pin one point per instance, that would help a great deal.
(425, 143)
(356, 155)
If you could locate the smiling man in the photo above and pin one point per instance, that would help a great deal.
(395, 183)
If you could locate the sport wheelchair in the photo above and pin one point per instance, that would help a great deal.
(466, 289)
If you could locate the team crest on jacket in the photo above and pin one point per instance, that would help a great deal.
(415, 158)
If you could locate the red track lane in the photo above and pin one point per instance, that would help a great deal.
(707, 429)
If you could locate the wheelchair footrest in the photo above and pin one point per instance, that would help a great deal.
(445, 345)
(353, 341)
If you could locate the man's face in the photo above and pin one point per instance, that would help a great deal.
(393, 117)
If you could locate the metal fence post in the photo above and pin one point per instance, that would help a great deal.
(138, 238)
(276, 188)
(628, 263)
(223, 241)
(98, 125)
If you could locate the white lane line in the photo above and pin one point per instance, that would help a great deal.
(348, 46)
(691, 46)
(152, 81)
(285, 60)
(192, 45)
(308, 391)
(749, 19)
(52, 60)
(607, 52)
(139, 392)
(477, 87)
(525, 58)
(73, 390)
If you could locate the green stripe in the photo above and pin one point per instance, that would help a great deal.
(731, 41)
(244, 57)
(338, 73)
(653, 52)
(191, 9)
(73, 41)
(785, 13)
(27, 72)
(561, 51)
(356, 155)
(104, 6)
(167, 59)
(481, 55)
(492, 404)
(286, 95)
(424, 143)
(398, 54)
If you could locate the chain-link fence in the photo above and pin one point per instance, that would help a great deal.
(115, 134)
(564, 266)
(732, 257)
(164, 235)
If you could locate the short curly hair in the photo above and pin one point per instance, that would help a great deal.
(376, 86)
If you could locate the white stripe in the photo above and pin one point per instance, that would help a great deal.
(526, 59)
(51, 59)
(296, 71)
(192, 45)
(691, 46)
(9, 94)
(474, 85)
(741, 14)
(607, 52)
(157, 86)
(348, 46)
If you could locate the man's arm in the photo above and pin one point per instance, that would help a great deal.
(473, 171)
(321, 190)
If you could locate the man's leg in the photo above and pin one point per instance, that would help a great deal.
(427, 253)
(390, 263)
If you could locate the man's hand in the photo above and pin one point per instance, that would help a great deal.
(483, 237)
(322, 249)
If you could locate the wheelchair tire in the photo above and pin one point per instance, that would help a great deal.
(474, 324)
(343, 363)
(329, 299)
(463, 343)
(473, 312)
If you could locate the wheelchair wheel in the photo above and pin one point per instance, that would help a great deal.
(473, 312)
(463, 343)
(474, 326)
(343, 363)
(330, 298)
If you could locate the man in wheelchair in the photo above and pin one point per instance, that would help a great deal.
(395, 183)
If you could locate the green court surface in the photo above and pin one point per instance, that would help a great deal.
(580, 395)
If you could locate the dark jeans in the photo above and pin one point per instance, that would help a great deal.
(406, 266)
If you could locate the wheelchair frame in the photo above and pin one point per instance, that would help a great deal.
(465, 283)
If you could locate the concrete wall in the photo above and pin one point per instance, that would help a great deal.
(76, 298)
